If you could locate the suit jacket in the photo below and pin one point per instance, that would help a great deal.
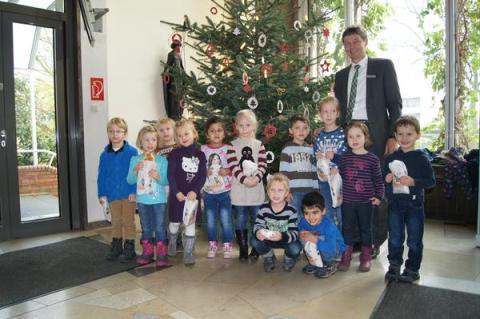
(384, 103)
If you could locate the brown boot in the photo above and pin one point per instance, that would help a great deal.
(365, 259)
(346, 259)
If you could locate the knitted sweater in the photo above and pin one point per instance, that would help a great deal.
(331, 141)
(297, 163)
(284, 222)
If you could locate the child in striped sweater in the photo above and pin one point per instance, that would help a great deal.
(276, 226)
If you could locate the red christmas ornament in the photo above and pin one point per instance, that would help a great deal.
(326, 32)
(166, 78)
(247, 88)
(266, 69)
(306, 79)
(270, 131)
(181, 103)
(307, 68)
(210, 49)
(284, 48)
(213, 10)
(324, 65)
(285, 66)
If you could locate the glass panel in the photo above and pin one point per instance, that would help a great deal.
(53, 5)
(34, 72)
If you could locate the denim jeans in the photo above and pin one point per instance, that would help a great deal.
(219, 207)
(292, 249)
(357, 216)
(297, 203)
(152, 218)
(334, 213)
(242, 216)
(410, 214)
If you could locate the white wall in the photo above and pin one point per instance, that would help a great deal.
(128, 56)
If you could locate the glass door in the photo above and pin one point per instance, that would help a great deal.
(33, 104)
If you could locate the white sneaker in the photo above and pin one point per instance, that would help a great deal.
(212, 249)
(227, 250)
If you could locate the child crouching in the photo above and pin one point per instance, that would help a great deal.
(276, 226)
(322, 240)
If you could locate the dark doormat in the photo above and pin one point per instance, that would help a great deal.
(33, 272)
(400, 300)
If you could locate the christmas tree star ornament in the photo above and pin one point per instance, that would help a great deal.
(297, 25)
(252, 102)
(236, 31)
(306, 89)
(270, 157)
(262, 39)
(316, 97)
(324, 65)
(211, 90)
(280, 106)
(326, 32)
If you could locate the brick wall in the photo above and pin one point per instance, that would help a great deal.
(37, 180)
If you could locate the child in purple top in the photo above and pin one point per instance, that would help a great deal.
(187, 170)
(363, 189)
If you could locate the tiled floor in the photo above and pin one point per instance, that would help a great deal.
(221, 288)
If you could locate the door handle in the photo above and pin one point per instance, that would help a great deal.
(3, 138)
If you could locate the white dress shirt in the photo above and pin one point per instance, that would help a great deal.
(360, 108)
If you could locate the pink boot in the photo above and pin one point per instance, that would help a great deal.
(346, 259)
(147, 253)
(161, 250)
(365, 259)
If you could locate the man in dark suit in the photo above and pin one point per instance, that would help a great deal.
(368, 90)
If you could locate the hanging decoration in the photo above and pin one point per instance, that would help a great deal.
(284, 48)
(236, 31)
(280, 106)
(325, 65)
(181, 103)
(281, 91)
(306, 111)
(270, 157)
(285, 66)
(252, 102)
(306, 79)
(308, 35)
(244, 78)
(213, 10)
(247, 88)
(177, 37)
(210, 49)
(316, 97)
(211, 90)
(306, 89)
(269, 131)
(262, 39)
(326, 32)
(297, 25)
(266, 69)
(166, 78)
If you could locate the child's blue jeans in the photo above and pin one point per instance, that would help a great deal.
(407, 213)
(334, 213)
(292, 249)
(219, 207)
(152, 219)
(242, 216)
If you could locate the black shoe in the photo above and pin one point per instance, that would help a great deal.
(289, 263)
(325, 271)
(242, 244)
(269, 263)
(128, 253)
(116, 249)
(309, 269)
(393, 273)
(253, 256)
(409, 276)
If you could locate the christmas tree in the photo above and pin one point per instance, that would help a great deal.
(258, 56)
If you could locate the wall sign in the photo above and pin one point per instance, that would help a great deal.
(96, 89)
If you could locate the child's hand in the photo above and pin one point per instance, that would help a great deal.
(308, 236)
(102, 200)
(389, 178)
(154, 174)
(329, 155)
(407, 181)
(131, 198)
(139, 166)
(319, 155)
(276, 236)
(259, 235)
(251, 181)
(180, 197)
(224, 172)
(333, 171)
(375, 201)
(191, 195)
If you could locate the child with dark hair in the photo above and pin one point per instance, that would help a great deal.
(317, 228)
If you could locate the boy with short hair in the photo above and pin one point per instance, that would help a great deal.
(112, 188)
(276, 226)
(319, 229)
(297, 161)
(406, 206)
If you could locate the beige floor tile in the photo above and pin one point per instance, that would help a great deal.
(235, 308)
(63, 295)
(20, 309)
(157, 306)
(109, 281)
(122, 300)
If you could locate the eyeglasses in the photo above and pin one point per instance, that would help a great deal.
(116, 131)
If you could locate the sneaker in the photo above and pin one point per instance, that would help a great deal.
(212, 249)
(309, 269)
(325, 271)
(393, 273)
(289, 263)
(409, 276)
(269, 263)
(227, 250)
